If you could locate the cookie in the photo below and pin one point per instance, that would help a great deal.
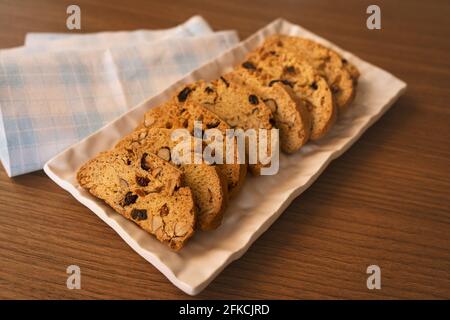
(289, 112)
(277, 65)
(340, 75)
(236, 105)
(174, 114)
(144, 189)
(206, 182)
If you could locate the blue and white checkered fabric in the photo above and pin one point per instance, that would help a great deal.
(195, 26)
(53, 95)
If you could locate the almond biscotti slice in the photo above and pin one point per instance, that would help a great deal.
(235, 104)
(340, 75)
(144, 189)
(174, 114)
(280, 66)
(206, 181)
(290, 113)
(351, 69)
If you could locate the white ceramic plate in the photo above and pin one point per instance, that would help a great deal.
(262, 199)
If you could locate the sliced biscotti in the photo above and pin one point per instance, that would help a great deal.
(175, 114)
(235, 104)
(290, 113)
(281, 66)
(340, 75)
(352, 69)
(206, 181)
(144, 189)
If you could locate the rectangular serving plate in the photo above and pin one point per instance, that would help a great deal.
(262, 199)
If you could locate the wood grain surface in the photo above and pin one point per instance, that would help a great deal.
(385, 202)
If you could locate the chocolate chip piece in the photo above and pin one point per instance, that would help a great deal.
(289, 69)
(142, 181)
(273, 81)
(272, 122)
(288, 83)
(248, 65)
(344, 61)
(213, 124)
(164, 211)
(273, 52)
(128, 162)
(334, 89)
(182, 96)
(139, 214)
(130, 198)
(314, 86)
(225, 81)
(253, 99)
(209, 90)
(283, 81)
(144, 164)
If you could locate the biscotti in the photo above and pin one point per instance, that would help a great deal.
(289, 112)
(340, 75)
(174, 114)
(206, 181)
(144, 189)
(236, 105)
(280, 66)
(291, 84)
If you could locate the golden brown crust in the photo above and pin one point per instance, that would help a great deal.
(236, 105)
(289, 112)
(204, 180)
(340, 75)
(278, 65)
(174, 114)
(144, 189)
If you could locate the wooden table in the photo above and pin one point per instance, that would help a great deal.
(385, 202)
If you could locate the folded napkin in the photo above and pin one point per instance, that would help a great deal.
(53, 94)
(195, 26)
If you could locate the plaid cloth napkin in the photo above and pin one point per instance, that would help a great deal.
(195, 26)
(53, 96)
